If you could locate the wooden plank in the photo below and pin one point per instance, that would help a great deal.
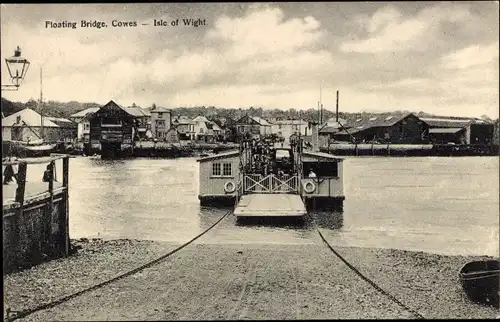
(66, 208)
(49, 219)
(270, 205)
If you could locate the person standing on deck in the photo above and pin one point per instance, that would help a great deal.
(312, 174)
(47, 174)
(10, 171)
(8, 174)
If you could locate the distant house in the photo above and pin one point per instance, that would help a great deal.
(459, 130)
(184, 126)
(332, 126)
(141, 119)
(287, 128)
(256, 126)
(218, 132)
(396, 128)
(203, 129)
(29, 125)
(161, 121)
(83, 124)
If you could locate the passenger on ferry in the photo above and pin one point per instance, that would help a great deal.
(312, 174)
(47, 174)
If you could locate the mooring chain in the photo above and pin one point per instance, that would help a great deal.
(368, 280)
(22, 314)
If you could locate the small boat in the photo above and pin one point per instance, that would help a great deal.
(25, 149)
(480, 281)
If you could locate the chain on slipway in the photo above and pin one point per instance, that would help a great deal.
(368, 280)
(24, 313)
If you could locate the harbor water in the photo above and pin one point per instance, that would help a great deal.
(444, 205)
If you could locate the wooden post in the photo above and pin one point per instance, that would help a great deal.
(21, 183)
(50, 243)
(66, 204)
(20, 192)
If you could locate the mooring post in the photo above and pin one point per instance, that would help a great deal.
(66, 204)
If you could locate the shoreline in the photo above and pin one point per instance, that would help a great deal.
(425, 282)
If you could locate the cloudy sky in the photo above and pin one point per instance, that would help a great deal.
(438, 57)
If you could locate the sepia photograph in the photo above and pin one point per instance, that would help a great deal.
(250, 161)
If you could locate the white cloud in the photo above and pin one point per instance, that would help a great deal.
(390, 31)
(471, 56)
(265, 32)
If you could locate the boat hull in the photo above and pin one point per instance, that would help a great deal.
(480, 281)
(25, 150)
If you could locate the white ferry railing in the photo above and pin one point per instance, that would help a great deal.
(270, 183)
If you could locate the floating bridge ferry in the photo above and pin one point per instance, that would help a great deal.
(264, 180)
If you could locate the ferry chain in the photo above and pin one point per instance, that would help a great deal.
(369, 281)
(25, 313)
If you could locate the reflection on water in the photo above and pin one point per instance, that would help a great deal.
(442, 205)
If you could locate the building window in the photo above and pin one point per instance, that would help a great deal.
(160, 123)
(216, 169)
(222, 171)
(226, 169)
(86, 126)
(201, 130)
(160, 115)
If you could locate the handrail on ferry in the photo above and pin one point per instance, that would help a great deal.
(53, 157)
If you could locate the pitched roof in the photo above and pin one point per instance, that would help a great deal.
(200, 118)
(223, 155)
(216, 127)
(321, 155)
(182, 120)
(447, 122)
(84, 112)
(377, 121)
(134, 111)
(159, 109)
(260, 120)
(28, 117)
(61, 122)
(145, 111)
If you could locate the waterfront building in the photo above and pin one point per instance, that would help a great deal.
(184, 126)
(459, 130)
(81, 118)
(29, 125)
(404, 128)
(113, 128)
(161, 121)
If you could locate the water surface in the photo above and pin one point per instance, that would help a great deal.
(434, 204)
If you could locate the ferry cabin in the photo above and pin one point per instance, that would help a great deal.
(322, 180)
(314, 176)
(219, 177)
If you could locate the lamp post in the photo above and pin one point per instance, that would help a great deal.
(17, 67)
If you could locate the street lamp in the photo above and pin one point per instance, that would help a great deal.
(18, 67)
